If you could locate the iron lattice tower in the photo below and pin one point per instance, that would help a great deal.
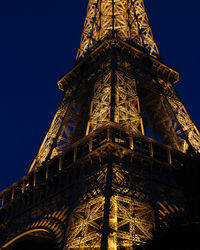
(104, 177)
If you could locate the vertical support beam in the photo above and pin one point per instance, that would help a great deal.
(88, 125)
(154, 202)
(151, 149)
(142, 126)
(131, 142)
(169, 157)
(113, 83)
(60, 163)
(108, 193)
(90, 144)
(93, 82)
(113, 18)
(109, 133)
(139, 111)
(112, 239)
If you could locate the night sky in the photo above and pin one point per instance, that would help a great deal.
(38, 44)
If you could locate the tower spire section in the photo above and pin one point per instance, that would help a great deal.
(121, 19)
(136, 93)
(105, 176)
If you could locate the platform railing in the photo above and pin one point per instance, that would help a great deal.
(111, 134)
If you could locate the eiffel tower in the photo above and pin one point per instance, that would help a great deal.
(104, 176)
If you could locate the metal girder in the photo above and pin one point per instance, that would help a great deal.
(113, 168)
(122, 19)
(124, 91)
(130, 223)
(56, 124)
(182, 116)
(99, 181)
(59, 132)
(127, 110)
(100, 106)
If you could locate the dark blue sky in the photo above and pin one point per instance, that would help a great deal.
(38, 44)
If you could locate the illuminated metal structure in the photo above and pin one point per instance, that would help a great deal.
(104, 176)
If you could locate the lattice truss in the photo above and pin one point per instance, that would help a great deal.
(63, 126)
(127, 109)
(126, 20)
(123, 19)
(85, 225)
(100, 106)
(174, 124)
(162, 121)
(130, 223)
(131, 218)
(60, 130)
(83, 229)
(182, 116)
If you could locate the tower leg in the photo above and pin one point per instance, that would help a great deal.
(106, 230)
(112, 239)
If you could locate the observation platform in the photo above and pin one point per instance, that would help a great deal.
(110, 136)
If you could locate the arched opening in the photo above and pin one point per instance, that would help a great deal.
(32, 240)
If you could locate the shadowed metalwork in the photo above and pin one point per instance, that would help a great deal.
(105, 174)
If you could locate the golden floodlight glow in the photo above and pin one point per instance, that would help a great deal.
(121, 19)
(105, 174)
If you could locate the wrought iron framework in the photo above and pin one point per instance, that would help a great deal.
(104, 176)
(119, 88)
(109, 190)
(121, 19)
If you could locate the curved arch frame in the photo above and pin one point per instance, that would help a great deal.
(24, 234)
